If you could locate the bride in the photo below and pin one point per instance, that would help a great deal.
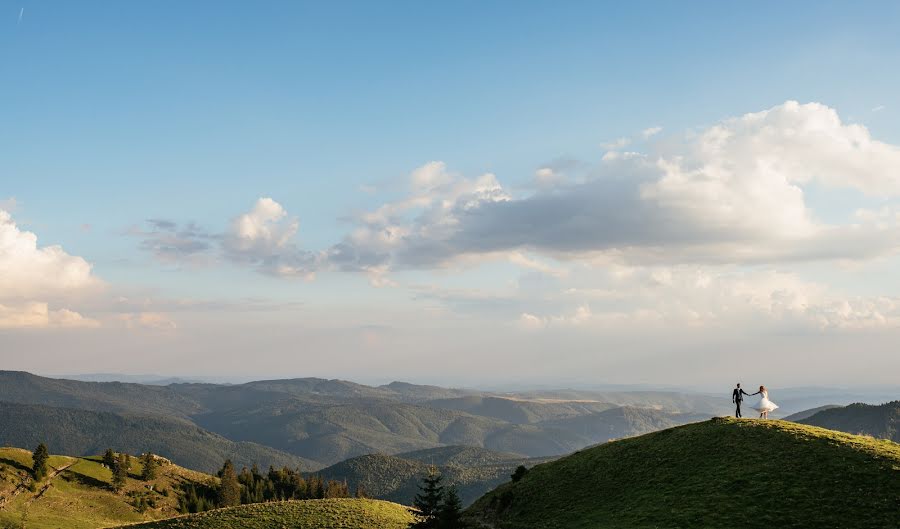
(764, 406)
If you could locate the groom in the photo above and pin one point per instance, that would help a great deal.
(737, 396)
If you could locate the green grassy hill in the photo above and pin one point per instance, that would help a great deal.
(719, 473)
(308, 514)
(878, 421)
(77, 495)
(83, 432)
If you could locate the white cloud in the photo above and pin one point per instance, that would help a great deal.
(715, 297)
(547, 177)
(34, 278)
(879, 108)
(38, 315)
(734, 193)
(264, 237)
(263, 231)
(27, 270)
(650, 132)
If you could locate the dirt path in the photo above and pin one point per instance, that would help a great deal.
(50, 478)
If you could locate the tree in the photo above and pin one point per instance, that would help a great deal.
(450, 516)
(109, 458)
(519, 473)
(40, 457)
(428, 502)
(149, 464)
(120, 472)
(229, 488)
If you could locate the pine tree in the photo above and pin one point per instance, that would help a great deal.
(450, 516)
(149, 463)
(427, 504)
(40, 457)
(120, 472)
(109, 458)
(229, 489)
(519, 473)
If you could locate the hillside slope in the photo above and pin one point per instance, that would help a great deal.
(77, 493)
(83, 432)
(306, 514)
(397, 479)
(719, 473)
(881, 421)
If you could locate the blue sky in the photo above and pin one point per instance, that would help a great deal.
(115, 113)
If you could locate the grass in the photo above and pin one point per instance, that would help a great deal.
(80, 497)
(721, 473)
(308, 514)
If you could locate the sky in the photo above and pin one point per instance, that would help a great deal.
(462, 192)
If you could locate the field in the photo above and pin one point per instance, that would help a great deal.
(309, 514)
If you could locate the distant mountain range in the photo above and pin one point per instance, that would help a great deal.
(381, 438)
(473, 471)
(316, 422)
(881, 421)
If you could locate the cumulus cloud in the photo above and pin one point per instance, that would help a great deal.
(733, 193)
(264, 238)
(34, 278)
(27, 270)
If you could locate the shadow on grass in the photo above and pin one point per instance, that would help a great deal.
(84, 479)
(15, 464)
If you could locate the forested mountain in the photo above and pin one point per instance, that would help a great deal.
(328, 421)
(800, 415)
(397, 478)
(85, 432)
(881, 421)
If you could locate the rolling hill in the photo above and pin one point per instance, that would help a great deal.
(77, 494)
(881, 421)
(305, 514)
(322, 422)
(84, 432)
(720, 473)
(396, 478)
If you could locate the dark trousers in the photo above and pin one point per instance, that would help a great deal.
(737, 409)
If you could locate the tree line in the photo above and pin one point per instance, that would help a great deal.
(253, 486)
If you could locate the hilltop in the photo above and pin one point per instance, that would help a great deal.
(77, 494)
(719, 473)
(881, 421)
(304, 514)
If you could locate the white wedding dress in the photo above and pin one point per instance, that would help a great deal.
(765, 404)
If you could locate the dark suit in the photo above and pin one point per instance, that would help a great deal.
(737, 396)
